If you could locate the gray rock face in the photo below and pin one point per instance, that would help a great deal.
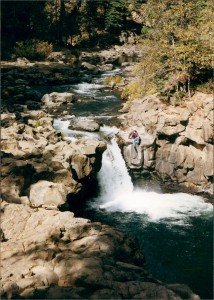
(134, 157)
(182, 147)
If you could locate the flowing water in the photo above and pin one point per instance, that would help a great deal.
(174, 230)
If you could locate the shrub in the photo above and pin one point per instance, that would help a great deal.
(33, 49)
(132, 91)
(113, 79)
(206, 87)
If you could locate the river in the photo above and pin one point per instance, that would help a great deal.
(174, 230)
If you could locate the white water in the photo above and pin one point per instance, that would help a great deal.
(117, 194)
(113, 176)
(87, 88)
(72, 135)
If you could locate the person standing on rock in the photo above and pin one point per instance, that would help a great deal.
(135, 138)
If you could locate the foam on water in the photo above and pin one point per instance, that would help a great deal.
(87, 88)
(116, 188)
(112, 72)
(60, 124)
(70, 134)
(117, 193)
(159, 206)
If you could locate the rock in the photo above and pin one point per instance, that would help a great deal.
(22, 60)
(125, 108)
(7, 119)
(36, 114)
(45, 276)
(134, 159)
(207, 131)
(170, 130)
(182, 136)
(47, 194)
(208, 157)
(164, 168)
(63, 57)
(58, 255)
(195, 135)
(43, 157)
(56, 57)
(183, 291)
(84, 124)
(106, 67)
(89, 67)
(57, 99)
(11, 187)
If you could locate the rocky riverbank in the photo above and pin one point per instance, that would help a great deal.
(20, 79)
(46, 251)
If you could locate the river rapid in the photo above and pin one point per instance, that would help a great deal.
(174, 230)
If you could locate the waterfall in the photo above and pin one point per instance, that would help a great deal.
(113, 177)
(118, 194)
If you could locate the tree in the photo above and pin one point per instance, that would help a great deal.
(116, 14)
(22, 20)
(176, 27)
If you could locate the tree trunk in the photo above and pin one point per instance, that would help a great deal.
(61, 21)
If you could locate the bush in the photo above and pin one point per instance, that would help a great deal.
(132, 91)
(33, 49)
(206, 87)
(113, 80)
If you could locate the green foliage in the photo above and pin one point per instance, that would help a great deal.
(37, 123)
(146, 73)
(132, 91)
(182, 31)
(33, 49)
(176, 48)
(64, 22)
(116, 15)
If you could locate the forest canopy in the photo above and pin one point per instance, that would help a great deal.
(175, 36)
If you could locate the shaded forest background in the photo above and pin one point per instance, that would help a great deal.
(70, 23)
(175, 37)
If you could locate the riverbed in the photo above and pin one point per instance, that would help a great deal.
(174, 230)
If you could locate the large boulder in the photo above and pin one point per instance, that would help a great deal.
(47, 194)
(89, 67)
(84, 124)
(57, 99)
